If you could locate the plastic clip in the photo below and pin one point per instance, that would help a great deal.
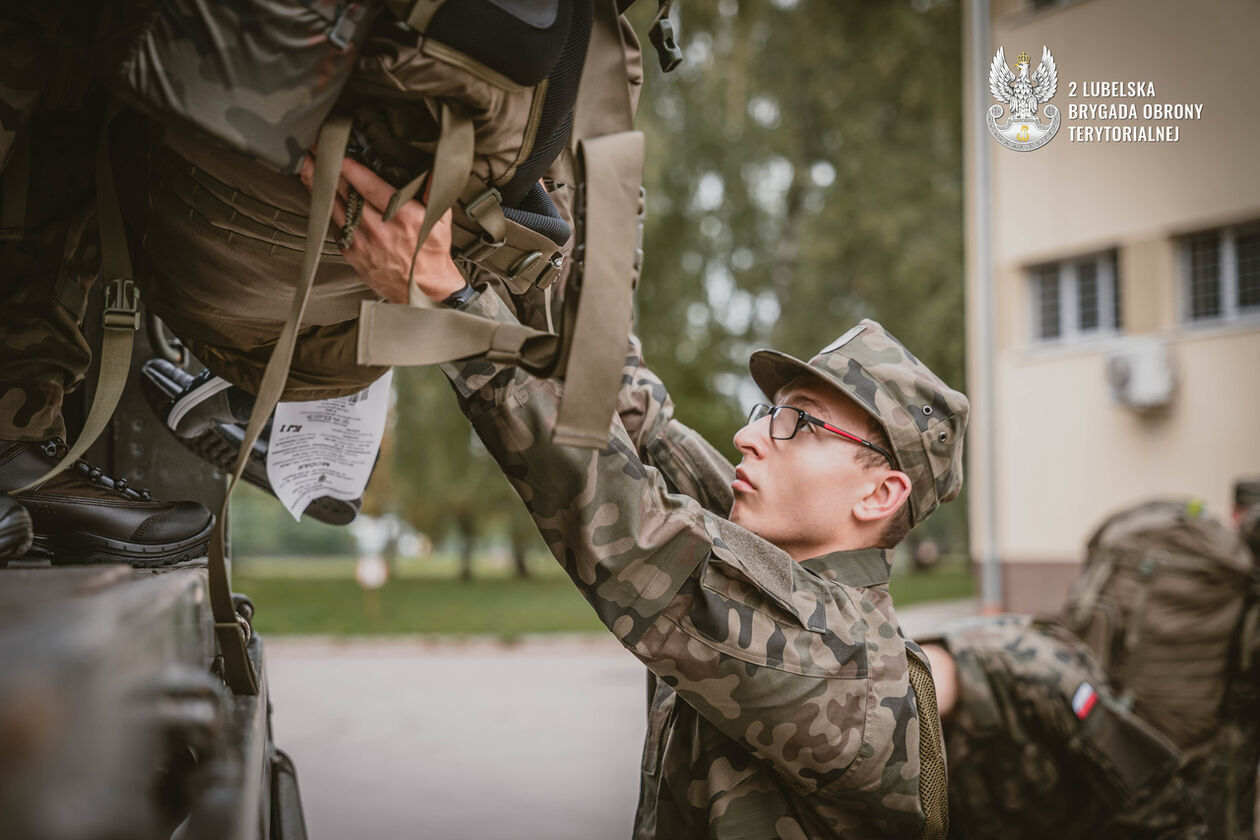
(122, 304)
(475, 208)
(667, 50)
(344, 27)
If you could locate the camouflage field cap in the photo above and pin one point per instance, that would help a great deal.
(925, 419)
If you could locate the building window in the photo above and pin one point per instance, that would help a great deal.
(1076, 298)
(1222, 273)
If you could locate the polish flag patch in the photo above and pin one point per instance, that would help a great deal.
(1084, 700)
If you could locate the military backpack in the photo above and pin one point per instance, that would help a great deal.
(1167, 601)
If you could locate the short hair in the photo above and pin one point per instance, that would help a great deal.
(900, 523)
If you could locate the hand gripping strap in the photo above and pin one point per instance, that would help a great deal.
(452, 164)
(121, 318)
(238, 670)
(612, 171)
(597, 306)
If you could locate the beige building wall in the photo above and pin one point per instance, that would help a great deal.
(1066, 452)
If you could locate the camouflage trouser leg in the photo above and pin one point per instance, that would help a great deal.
(45, 278)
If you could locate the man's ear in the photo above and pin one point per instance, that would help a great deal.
(885, 499)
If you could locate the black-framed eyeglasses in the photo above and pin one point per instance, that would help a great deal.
(787, 420)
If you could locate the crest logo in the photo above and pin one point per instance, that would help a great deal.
(1022, 94)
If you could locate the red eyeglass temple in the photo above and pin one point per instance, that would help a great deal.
(843, 433)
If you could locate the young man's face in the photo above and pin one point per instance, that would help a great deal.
(800, 494)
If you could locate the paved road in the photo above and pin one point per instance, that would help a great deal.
(470, 741)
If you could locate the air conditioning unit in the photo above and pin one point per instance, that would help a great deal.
(1141, 374)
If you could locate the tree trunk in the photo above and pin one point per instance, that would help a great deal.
(519, 543)
(467, 531)
(389, 552)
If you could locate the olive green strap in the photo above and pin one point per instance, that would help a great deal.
(121, 317)
(612, 169)
(238, 670)
(1091, 584)
(452, 164)
(403, 335)
(603, 101)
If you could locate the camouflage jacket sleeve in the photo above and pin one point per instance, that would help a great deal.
(689, 464)
(801, 671)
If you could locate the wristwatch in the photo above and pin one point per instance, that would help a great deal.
(458, 299)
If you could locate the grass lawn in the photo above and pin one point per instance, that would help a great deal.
(494, 606)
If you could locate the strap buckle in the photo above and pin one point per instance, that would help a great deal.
(122, 301)
(476, 208)
(547, 273)
(343, 30)
(662, 37)
(550, 272)
(481, 249)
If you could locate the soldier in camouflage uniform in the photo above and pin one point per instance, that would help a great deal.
(1038, 747)
(784, 704)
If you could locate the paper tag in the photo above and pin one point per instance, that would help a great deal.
(326, 447)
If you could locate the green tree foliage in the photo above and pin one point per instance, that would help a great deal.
(435, 475)
(261, 527)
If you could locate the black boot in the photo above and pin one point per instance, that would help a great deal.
(15, 530)
(208, 415)
(81, 515)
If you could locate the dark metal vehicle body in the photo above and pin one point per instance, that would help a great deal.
(114, 719)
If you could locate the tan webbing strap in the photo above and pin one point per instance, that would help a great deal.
(400, 335)
(121, 317)
(613, 171)
(452, 162)
(933, 778)
(1096, 578)
(603, 101)
(238, 671)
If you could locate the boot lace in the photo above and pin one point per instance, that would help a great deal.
(56, 448)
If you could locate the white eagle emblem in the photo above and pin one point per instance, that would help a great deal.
(1022, 95)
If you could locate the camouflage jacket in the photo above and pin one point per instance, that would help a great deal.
(784, 706)
(1038, 747)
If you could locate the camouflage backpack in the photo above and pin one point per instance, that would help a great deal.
(1167, 601)
(471, 100)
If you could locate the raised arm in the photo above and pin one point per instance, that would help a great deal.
(689, 464)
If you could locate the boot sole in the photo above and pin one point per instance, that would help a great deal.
(85, 549)
(191, 400)
(15, 535)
